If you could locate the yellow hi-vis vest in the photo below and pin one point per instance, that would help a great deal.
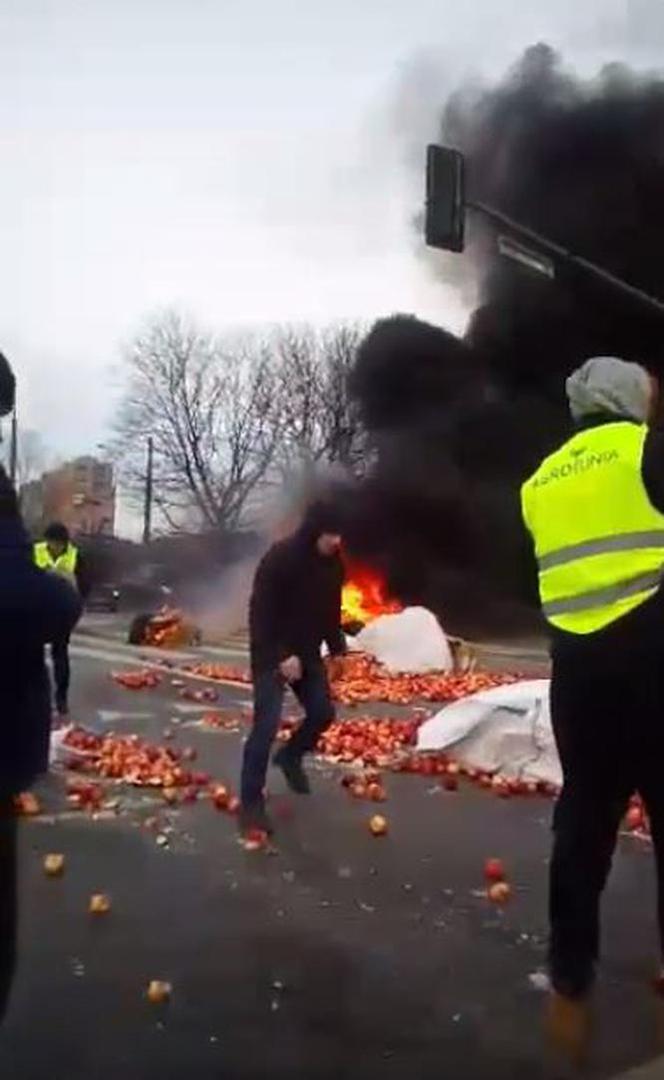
(65, 564)
(599, 541)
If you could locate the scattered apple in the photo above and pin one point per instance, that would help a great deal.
(494, 870)
(376, 792)
(378, 825)
(158, 991)
(254, 839)
(27, 804)
(100, 904)
(451, 782)
(499, 892)
(635, 818)
(221, 796)
(54, 865)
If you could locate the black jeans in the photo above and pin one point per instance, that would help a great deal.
(608, 721)
(61, 671)
(313, 693)
(8, 899)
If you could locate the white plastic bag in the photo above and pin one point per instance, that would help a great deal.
(410, 642)
(506, 730)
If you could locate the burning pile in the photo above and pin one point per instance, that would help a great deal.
(364, 597)
(168, 629)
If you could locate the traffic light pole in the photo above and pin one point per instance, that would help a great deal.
(444, 228)
(557, 251)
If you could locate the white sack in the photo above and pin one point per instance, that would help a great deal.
(411, 641)
(506, 730)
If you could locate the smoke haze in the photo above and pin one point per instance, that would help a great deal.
(459, 424)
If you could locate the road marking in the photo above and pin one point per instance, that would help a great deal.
(121, 660)
(111, 716)
(106, 654)
(187, 709)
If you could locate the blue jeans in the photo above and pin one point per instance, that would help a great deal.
(313, 693)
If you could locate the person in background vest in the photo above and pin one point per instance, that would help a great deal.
(56, 554)
(594, 510)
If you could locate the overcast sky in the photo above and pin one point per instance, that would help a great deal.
(244, 159)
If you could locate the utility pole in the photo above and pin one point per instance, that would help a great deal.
(13, 448)
(147, 506)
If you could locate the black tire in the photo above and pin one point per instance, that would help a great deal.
(137, 629)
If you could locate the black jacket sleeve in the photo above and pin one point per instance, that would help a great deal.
(266, 610)
(57, 606)
(83, 579)
(334, 637)
(652, 467)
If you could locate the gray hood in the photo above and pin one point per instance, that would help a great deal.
(606, 384)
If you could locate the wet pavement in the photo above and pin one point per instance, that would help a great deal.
(338, 956)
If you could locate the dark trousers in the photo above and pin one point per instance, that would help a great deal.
(61, 671)
(313, 693)
(608, 721)
(8, 902)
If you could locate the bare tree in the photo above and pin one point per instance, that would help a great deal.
(318, 421)
(211, 409)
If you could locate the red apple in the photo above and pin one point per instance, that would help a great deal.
(494, 870)
(499, 892)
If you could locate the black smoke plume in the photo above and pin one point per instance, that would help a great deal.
(459, 424)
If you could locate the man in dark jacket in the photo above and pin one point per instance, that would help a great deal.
(295, 608)
(35, 608)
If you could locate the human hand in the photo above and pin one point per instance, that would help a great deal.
(335, 668)
(291, 669)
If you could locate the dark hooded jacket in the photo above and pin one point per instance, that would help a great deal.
(296, 598)
(35, 608)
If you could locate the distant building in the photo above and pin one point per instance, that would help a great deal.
(80, 494)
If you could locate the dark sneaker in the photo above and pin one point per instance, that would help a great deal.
(255, 818)
(296, 778)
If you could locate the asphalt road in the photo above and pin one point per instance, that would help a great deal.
(338, 956)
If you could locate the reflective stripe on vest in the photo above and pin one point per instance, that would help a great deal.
(65, 564)
(599, 541)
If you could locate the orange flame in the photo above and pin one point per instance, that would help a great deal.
(364, 596)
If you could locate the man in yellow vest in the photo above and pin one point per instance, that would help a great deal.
(56, 554)
(595, 513)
